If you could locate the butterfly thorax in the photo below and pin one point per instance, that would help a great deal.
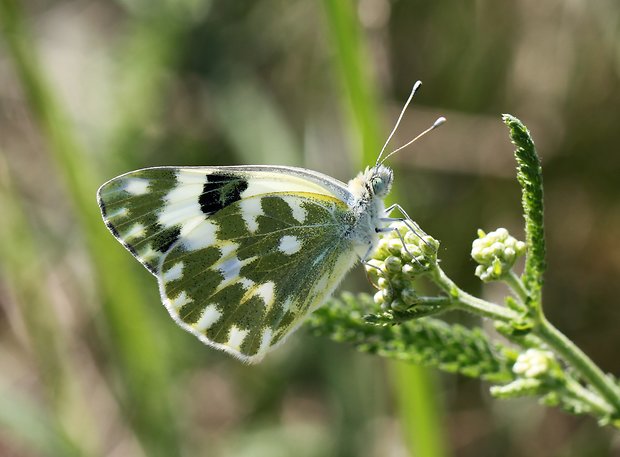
(368, 190)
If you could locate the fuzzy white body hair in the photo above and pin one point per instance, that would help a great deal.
(368, 189)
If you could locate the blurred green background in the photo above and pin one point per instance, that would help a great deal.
(90, 362)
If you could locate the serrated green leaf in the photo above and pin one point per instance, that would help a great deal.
(426, 341)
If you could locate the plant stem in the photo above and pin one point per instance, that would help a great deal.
(556, 340)
(467, 302)
(599, 406)
(516, 285)
(574, 356)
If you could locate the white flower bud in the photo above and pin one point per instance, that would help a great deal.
(533, 363)
(394, 246)
(393, 264)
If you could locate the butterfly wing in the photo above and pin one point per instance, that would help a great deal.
(133, 206)
(245, 278)
(149, 210)
(242, 254)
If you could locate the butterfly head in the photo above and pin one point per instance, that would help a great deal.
(374, 182)
(380, 180)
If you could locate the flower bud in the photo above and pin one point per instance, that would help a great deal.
(393, 264)
(409, 296)
(533, 363)
(401, 256)
(496, 253)
(394, 246)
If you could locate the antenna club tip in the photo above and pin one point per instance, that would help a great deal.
(416, 86)
(440, 120)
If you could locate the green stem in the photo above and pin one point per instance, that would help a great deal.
(556, 340)
(421, 414)
(467, 302)
(575, 357)
(599, 406)
(516, 285)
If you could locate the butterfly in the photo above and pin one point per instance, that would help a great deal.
(242, 254)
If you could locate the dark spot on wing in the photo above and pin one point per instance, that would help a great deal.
(220, 191)
(164, 238)
(102, 207)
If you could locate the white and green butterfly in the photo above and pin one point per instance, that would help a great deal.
(243, 254)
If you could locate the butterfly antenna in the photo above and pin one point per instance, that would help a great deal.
(437, 123)
(413, 91)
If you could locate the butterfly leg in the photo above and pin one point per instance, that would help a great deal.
(400, 236)
(395, 207)
(376, 286)
(409, 223)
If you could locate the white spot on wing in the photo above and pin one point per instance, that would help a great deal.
(148, 253)
(250, 210)
(265, 340)
(236, 337)
(136, 230)
(118, 213)
(181, 300)
(175, 272)
(209, 317)
(137, 186)
(202, 236)
(179, 213)
(287, 304)
(182, 203)
(230, 268)
(228, 248)
(289, 244)
(267, 292)
(246, 283)
(299, 212)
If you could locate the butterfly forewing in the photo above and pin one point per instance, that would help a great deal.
(148, 210)
(132, 205)
(244, 278)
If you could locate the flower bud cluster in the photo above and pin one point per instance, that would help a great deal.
(496, 253)
(533, 363)
(535, 369)
(394, 265)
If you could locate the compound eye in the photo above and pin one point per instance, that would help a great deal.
(378, 185)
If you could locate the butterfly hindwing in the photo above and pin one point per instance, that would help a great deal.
(244, 278)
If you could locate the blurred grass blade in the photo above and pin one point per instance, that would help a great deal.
(21, 267)
(33, 426)
(145, 381)
(420, 413)
(352, 63)
(361, 102)
(144, 59)
(251, 120)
